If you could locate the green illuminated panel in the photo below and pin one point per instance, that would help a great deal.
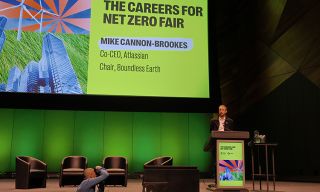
(174, 137)
(146, 138)
(27, 138)
(88, 136)
(57, 137)
(6, 125)
(198, 134)
(118, 135)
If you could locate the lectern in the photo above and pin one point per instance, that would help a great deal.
(230, 170)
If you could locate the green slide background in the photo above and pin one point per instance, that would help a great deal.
(188, 69)
(51, 135)
(235, 154)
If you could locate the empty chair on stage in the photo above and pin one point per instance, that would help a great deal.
(159, 161)
(71, 172)
(30, 172)
(117, 168)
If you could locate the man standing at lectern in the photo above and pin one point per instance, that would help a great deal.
(223, 123)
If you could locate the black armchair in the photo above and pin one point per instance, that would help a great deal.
(72, 168)
(164, 161)
(30, 172)
(117, 168)
(159, 161)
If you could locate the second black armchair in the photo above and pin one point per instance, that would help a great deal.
(117, 168)
(72, 168)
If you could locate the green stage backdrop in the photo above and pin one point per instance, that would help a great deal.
(51, 135)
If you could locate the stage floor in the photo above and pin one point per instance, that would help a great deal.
(134, 185)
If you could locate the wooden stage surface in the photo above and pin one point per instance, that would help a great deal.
(134, 185)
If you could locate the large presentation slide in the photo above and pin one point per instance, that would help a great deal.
(156, 48)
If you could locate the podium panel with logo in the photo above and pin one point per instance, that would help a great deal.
(230, 162)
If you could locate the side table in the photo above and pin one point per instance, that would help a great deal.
(260, 174)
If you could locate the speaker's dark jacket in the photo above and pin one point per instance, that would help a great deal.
(228, 124)
(214, 126)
